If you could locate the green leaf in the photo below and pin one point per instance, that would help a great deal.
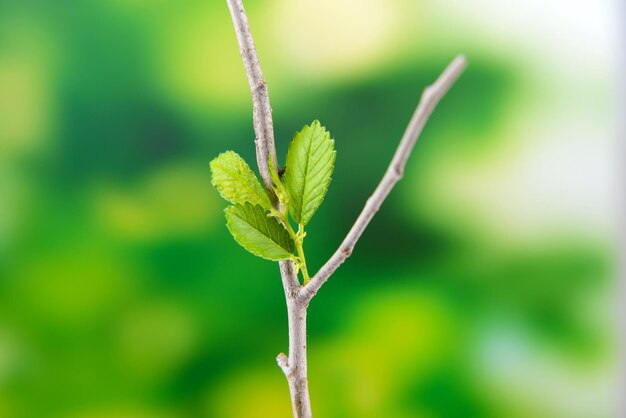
(233, 178)
(263, 236)
(310, 163)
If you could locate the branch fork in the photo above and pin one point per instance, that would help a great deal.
(297, 296)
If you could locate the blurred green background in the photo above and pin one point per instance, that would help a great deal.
(485, 287)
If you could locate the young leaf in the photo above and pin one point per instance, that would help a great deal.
(233, 178)
(310, 161)
(263, 236)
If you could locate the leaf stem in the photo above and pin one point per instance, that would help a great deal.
(305, 272)
(298, 238)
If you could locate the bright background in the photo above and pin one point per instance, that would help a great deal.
(485, 287)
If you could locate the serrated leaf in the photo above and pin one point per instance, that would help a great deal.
(310, 162)
(263, 236)
(233, 178)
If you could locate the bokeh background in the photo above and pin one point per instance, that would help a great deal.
(485, 287)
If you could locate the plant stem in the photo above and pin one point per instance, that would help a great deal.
(261, 109)
(305, 272)
(298, 239)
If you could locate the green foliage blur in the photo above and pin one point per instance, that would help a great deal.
(483, 288)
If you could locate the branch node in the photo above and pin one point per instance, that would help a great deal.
(399, 171)
(428, 93)
(293, 293)
(283, 362)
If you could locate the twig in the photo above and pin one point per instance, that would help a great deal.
(262, 111)
(430, 98)
(262, 118)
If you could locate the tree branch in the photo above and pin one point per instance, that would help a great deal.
(294, 366)
(429, 100)
(262, 111)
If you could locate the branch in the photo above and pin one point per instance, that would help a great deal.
(262, 117)
(294, 366)
(262, 111)
(429, 100)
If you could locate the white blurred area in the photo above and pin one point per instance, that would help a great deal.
(559, 170)
(555, 168)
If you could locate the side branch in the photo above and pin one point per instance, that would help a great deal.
(429, 100)
(262, 111)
